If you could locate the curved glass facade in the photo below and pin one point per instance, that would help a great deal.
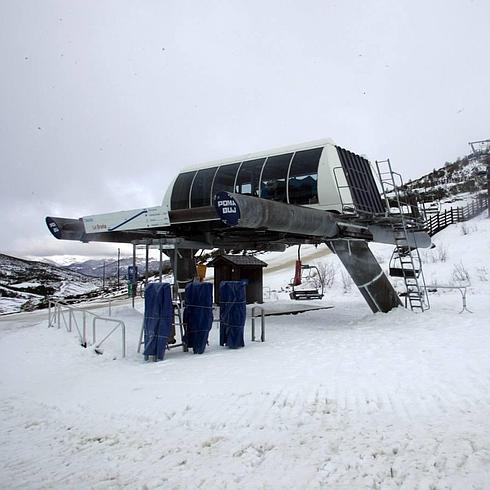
(289, 177)
(247, 181)
(225, 178)
(303, 177)
(180, 191)
(274, 178)
(201, 187)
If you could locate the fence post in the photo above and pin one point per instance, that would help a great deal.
(84, 328)
(123, 327)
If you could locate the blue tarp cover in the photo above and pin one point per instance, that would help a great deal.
(232, 303)
(198, 314)
(158, 319)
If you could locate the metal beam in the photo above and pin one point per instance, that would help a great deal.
(257, 213)
(366, 274)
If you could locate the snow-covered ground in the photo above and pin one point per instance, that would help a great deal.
(336, 398)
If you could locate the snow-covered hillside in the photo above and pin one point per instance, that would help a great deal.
(337, 398)
(108, 266)
(465, 175)
(24, 284)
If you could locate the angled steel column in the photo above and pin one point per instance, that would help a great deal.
(183, 265)
(366, 274)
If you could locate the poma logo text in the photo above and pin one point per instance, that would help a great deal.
(227, 206)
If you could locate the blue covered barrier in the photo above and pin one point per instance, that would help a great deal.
(198, 315)
(232, 302)
(158, 319)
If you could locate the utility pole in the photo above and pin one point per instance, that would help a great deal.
(103, 276)
(135, 285)
(160, 263)
(147, 249)
(118, 266)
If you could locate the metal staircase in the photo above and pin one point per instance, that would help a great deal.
(405, 261)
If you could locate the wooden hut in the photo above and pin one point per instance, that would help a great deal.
(237, 268)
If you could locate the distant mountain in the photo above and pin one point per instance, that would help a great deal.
(25, 284)
(60, 260)
(95, 267)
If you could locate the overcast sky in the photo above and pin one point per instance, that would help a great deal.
(102, 102)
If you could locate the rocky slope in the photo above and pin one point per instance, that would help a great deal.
(465, 175)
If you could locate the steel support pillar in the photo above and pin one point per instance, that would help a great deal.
(184, 267)
(367, 274)
(135, 285)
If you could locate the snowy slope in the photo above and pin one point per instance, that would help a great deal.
(24, 284)
(463, 175)
(336, 398)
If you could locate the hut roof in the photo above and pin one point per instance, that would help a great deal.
(240, 260)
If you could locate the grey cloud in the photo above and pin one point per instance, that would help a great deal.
(103, 102)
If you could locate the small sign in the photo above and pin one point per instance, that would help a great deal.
(227, 208)
(53, 227)
(133, 219)
(132, 274)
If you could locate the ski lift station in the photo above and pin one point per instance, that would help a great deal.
(313, 193)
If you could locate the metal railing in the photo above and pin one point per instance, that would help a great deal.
(461, 288)
(61, 313)
(269, 294)
(119, 323)
(254, 315)
(442, 220)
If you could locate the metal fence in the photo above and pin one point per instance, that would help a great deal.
(75, 317)
(448, 217)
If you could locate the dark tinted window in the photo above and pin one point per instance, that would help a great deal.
(248, 177)
(180, 191)
(303, 177)
(225, 178)
(201, 188)
(274, 178)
